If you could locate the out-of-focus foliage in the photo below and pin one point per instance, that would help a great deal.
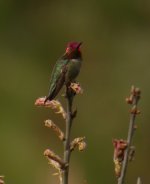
(33, 34)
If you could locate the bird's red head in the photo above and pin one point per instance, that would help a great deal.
(72, 46)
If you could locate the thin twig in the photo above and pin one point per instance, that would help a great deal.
(67, 151)
(135, 98)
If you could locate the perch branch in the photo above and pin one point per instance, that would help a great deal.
(67, 152)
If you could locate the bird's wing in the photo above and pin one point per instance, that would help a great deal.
(57, 78)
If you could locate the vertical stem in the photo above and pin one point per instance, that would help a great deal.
(121, 179)
(67, 139)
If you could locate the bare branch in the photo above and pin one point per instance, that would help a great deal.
(133, 100)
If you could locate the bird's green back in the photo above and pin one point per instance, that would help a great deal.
(56, 73)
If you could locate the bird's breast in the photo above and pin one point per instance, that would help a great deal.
(73, 69)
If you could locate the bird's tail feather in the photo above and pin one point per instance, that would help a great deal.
(49, 97)
(52, 95)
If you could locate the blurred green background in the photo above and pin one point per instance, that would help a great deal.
(116, 52)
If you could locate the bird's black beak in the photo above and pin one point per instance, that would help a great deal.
(78, 46)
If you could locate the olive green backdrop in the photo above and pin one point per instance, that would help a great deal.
(116, 52)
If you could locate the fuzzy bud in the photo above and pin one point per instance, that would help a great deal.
(76, 88)
(135, 111)
(120, 146)
(55, 128)
(78, 142)
(53, 104)
(51, 156)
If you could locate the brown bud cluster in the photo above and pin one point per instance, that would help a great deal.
(119, 150)
(134, 94)
(54, 159)
(135, 110)
(78, 142)
(53, 104)
(133, 100)
(76, 88)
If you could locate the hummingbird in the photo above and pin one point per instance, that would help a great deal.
(65, 70)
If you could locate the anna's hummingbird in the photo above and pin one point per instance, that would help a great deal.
(65, 70)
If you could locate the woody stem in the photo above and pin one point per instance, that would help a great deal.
(67, 151)
(131, 129)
